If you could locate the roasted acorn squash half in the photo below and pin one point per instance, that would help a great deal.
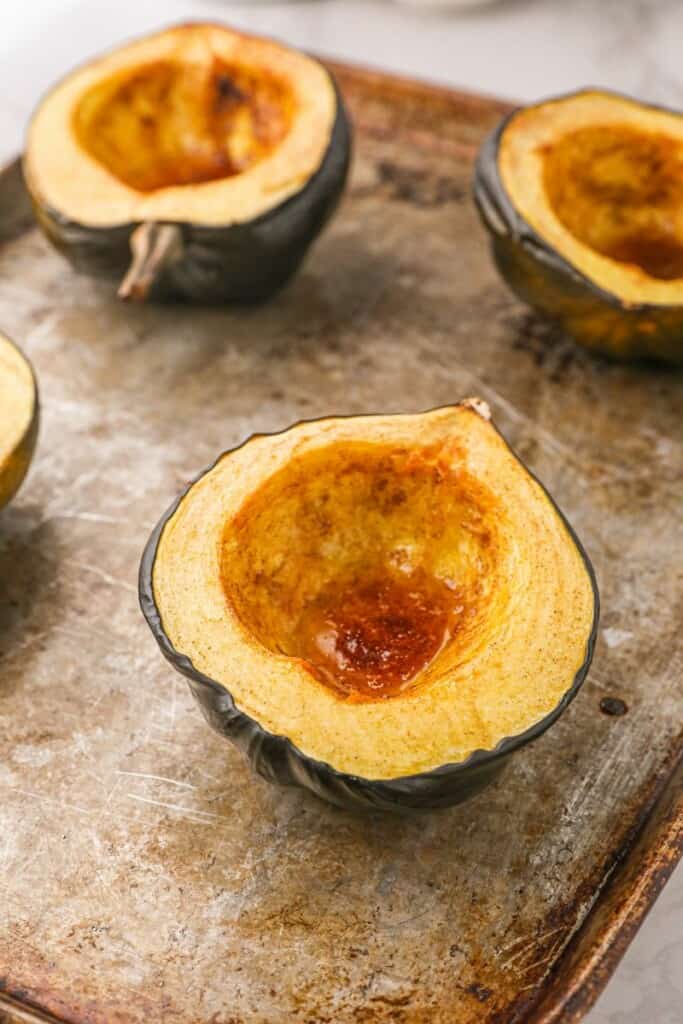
(583, 197)
(378, 608)
(199, 162)
(19, 417)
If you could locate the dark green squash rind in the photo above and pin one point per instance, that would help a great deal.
(548, 282)
(246, 262)
(278, 760)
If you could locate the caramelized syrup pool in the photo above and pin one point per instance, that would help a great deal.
(371, 637)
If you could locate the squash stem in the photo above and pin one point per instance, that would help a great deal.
(154, 247)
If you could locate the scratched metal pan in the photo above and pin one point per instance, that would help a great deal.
(146, 875)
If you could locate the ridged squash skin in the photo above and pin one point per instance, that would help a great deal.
(554, 284)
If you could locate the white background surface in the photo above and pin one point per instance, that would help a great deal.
(522, 49)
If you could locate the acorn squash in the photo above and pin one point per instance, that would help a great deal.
(583, 197)
(199, 163)
(378, 608)
(18, 418)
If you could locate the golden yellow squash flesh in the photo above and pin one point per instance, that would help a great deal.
(18, 418)
(391, 569)
(168, 123)
(197, 124)
(619, 191)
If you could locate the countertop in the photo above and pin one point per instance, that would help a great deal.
(522, 49)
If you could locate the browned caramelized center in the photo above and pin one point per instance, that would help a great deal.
(373, 564)
(620, 191)
(170, 123)
(373, 636)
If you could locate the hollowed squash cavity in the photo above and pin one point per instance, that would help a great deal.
(373, 564)
(619, 191)
(171, 123)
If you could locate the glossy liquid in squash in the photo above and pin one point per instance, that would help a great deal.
(371, 638)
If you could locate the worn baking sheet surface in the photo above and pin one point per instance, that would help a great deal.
(146, 875)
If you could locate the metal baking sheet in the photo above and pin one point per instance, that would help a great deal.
(146, 875)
